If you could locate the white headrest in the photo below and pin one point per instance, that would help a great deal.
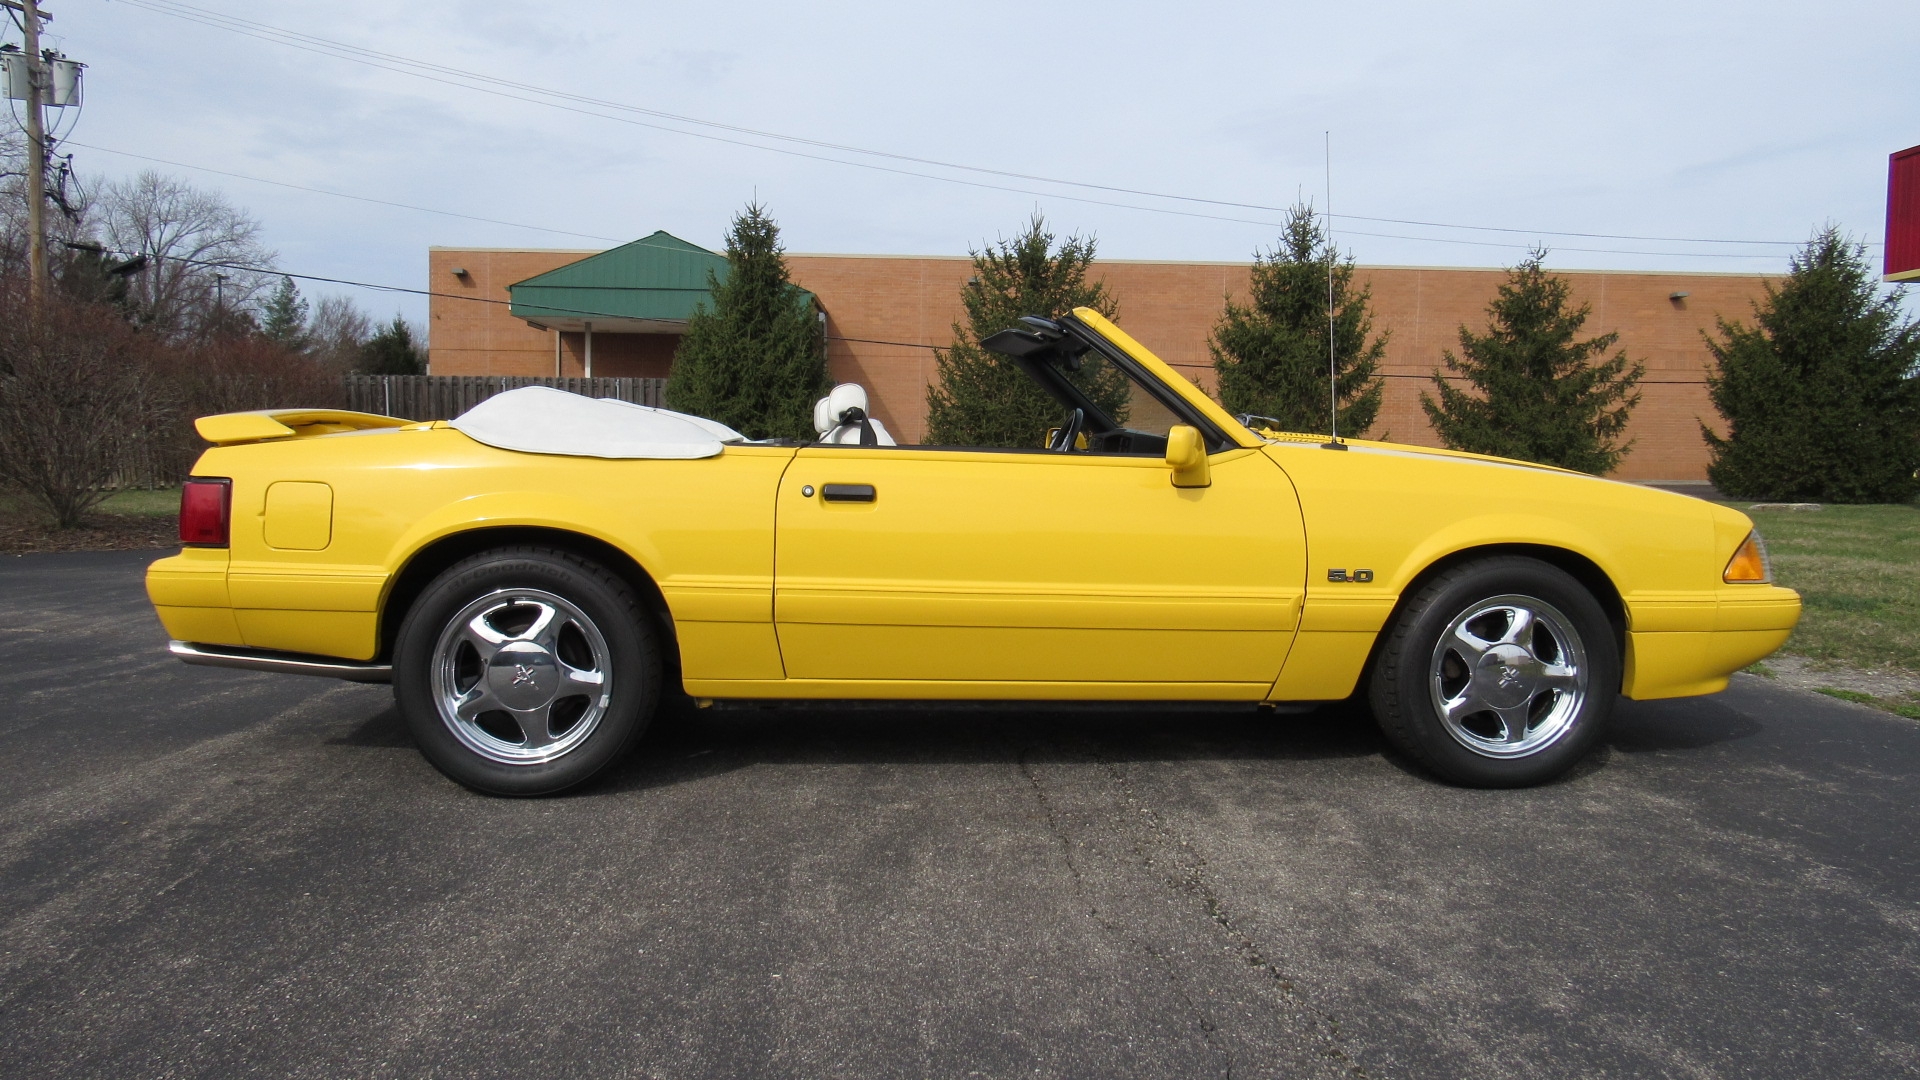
(845, 396)
(822, 420)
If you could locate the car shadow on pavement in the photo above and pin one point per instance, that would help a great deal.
(1641, 727)
(383, 729)
(687, 745)
(695, 744)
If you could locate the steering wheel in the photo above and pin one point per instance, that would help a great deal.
(1069, 431)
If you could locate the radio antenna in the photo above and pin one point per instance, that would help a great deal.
(1333, 371)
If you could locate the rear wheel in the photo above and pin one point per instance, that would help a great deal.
(525, 671)
(1498, 673)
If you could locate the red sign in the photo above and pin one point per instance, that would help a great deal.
(1903, 216)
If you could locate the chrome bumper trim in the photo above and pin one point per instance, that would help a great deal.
(289, 663)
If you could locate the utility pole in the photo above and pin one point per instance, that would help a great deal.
(37, 283)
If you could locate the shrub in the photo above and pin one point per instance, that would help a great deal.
(983, 399)
(227, 373)
(1271, 353)
(77, 394)
(393, 351)
(1544, 394)
(756, 359)
(1821, 395)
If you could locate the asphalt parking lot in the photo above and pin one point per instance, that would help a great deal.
(213, 873)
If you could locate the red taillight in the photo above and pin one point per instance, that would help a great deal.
(206, 504)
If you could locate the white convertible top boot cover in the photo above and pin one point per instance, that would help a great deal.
(542, 420)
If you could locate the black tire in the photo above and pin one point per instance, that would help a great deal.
(518, 745)
(1538, 721)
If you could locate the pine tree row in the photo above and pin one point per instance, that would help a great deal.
(1819, 398)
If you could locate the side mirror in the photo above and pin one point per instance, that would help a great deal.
(1187, 457)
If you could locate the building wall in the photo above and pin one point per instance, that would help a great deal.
(887, 305)
(469, 331)
(618, 356)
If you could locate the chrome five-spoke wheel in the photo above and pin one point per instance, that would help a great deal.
(1508, 676)
(1499, 672)
(521, 676)
(526, 670)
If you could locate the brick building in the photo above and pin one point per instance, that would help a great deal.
(554, 311)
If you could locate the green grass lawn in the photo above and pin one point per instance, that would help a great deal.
(133, 502)
(123, 521)
(140, 502)
(1857, 569)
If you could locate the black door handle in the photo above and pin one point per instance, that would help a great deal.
(847, 492)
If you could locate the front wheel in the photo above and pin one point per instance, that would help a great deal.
(1498, 673)
(526, 671)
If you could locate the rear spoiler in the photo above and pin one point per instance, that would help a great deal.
(229, 429)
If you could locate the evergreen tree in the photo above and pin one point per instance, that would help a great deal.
(1822, 396)
(984, 399)
(84, 273)
(392, 351)
(284, 320)
(1271, 354)
(224, 321)
(756, 359)
(1543, 394)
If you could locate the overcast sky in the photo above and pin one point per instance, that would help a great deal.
(1709, 122)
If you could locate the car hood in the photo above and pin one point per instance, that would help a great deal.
(1410, 449)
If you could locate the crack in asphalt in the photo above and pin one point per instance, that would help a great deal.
(1190, 883)
(1080, 888)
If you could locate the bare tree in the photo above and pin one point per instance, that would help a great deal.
(336, 332)
(206, 260)
(76, 397)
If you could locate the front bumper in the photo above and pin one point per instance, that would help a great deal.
(1748, 623)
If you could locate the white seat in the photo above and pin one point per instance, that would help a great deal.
(841, 418)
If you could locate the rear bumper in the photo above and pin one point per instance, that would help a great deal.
(233, 656)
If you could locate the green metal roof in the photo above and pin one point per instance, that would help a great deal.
(639, 286)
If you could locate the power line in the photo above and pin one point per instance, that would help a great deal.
(267, 31)
(613, 240)
(342, 194)
(145, 4)
(489, 84)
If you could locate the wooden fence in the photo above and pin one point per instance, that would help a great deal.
(443, 397)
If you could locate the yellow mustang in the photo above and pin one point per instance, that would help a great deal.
(533, 576)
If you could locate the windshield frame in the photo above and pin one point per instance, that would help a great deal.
(1042, 346)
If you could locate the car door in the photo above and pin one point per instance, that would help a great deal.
(1032, 573)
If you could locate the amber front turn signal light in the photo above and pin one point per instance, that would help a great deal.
(1749, 565)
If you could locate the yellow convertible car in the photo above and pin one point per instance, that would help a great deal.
(536, 574)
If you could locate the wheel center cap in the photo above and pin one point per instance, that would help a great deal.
(523, 675)
(1507, 675)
